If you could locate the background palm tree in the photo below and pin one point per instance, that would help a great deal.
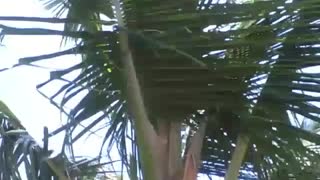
(19, 150)
(235, 66)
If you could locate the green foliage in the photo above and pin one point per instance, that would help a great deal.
(248, 76)
(19, 150)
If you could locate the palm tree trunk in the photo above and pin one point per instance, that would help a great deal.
(193, 158)
(174, 149)
(237, 157)
(146, 135)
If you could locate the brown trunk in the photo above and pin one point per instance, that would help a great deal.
(237, 157)
(169, 148)
(174, 156)
(193, 158)
(162, 148)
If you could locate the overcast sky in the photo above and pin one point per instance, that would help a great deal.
(18, 86)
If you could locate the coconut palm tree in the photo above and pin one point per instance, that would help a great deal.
(227, 75)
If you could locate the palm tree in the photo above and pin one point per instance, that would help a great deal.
(229, 72)
(19, 150)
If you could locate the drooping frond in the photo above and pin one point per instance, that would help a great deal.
(22, 157)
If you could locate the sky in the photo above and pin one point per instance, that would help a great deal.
(18, 85)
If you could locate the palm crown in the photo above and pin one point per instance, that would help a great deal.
(239, 67)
